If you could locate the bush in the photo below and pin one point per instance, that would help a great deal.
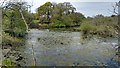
(7, 39)
(87, 27)
(7, 62)
(104, 26)
(57, 23)
(36, 21)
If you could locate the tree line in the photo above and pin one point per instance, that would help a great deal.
(17, 19)
(58, 15)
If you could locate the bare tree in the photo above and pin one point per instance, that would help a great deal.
(116, 8)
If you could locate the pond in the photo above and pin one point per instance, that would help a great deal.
(66, 48)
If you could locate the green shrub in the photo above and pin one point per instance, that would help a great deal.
(7, 62)
(87, 27)
(57, 23)
(7, 39)
(36, 21)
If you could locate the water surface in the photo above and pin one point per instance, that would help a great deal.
(65, 48)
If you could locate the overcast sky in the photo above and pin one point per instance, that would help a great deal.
(87, 7)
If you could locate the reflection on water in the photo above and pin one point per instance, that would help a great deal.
(54, 48)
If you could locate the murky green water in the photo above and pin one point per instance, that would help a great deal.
(61, 48)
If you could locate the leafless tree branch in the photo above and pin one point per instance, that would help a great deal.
(115, 9)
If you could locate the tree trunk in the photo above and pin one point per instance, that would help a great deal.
(24, 20)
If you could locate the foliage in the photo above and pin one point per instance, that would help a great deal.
(77, 18)
(57, 24)
(100, 25)
(45, 12)
(12, 18)
(7, 62)
(11, 39)
(59, 15)
(35, 21)
(13, 25)
(87, 27)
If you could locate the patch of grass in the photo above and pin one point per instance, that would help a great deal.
(7, 62)
(36, 21)
(12, 39)
(58, 24)
(87, 27)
